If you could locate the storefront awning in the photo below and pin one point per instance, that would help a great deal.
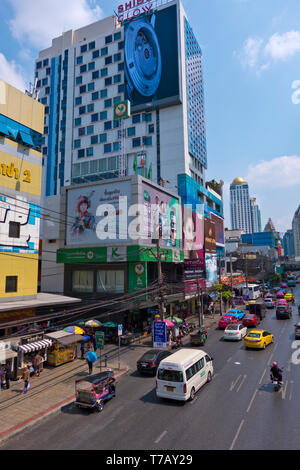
(43, 344)
(57, 334)
(70, 339)
(7, 354)
(27, 139)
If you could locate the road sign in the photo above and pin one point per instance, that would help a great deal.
(159, 334)
(100, 340)
(120, 330)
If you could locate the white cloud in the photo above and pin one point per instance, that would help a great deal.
(283, 46)
(260, 54)
(37, 23)
(12, 73)
(282, 172)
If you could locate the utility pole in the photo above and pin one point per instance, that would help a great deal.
(246, 270)
(231, 277)
(200, 304)
(160, 280)
(220, 283)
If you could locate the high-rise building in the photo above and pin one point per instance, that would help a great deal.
(241, 215)
(149, 56)
(296, 232)
(255, 216)
(288, 244)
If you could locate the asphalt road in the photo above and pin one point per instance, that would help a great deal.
(238, 410)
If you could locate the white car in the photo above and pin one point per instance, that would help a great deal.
(269, 303)
(235, 332)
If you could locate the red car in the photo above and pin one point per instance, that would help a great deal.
(280, 295)
(250, 320)
(226, 320)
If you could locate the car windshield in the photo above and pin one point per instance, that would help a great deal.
(232, 327)
(149, 356)
(170, 375)
(253, 335)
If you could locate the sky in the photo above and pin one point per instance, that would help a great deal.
(251, 62)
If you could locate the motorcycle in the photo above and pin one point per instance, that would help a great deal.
(277, 382)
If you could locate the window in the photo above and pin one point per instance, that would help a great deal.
(90, 108)
(121, 67)
(121, 45)
(121, 88)
(39, 65)
(81, 131)
(82, 89)
(136, 142)
(170, 375)
(147, 117)
(117, 99)
(78, 101)
(117, 57)
(90, 130)
(104, 72)
(107, 148)
(151, 129)
(147, 141)
(83, 68)
(90, 152)
(14, 230)
(108, 60)
(81, 153)
(95, 95)
(95, 117)
(77, 122)
(79, 60)
(110, 281)
(116, 146)
(103, 93)
(83, 48)
(94, 139)
(117, 36)
(108, 39)
(117, 78)
(131, 131)
(92, 45)
(91, 66)
(45, 81)
(96, 54)
(107, 103)
(77, 144)
(103, 164)
(116, 124)
(11, 284)
(91, 86)
(83, 281)
(103, 115)
(108, 81)
(95, 75)
(103, 138)
(107, 125)
(104, 51)
(45, 62)
(82, 110)
(136, 118)
(78, 80)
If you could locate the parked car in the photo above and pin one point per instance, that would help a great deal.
(269, 302)
(150, 361)
(283, 311)
(250, 320)
(226, 320)
(235, 332)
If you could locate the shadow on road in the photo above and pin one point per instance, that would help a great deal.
(151, 397)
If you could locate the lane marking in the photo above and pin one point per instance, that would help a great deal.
(291, 392)
(161, 437)
(284, 390)
(252, 400)
(229, 359)
(244, 378)
(233, 384)
(262, 376)
(237, 435)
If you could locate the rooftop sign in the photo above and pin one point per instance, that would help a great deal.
(134, 8)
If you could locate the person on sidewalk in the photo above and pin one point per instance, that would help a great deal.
(26, 378)
(38, 362)
(7, 376)
(82, 349)
(90, 364)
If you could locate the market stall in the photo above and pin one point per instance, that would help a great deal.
(7, 356)
(27, 350)
(64, 349)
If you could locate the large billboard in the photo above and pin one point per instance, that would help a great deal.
(162, 217)
(151, 59)
(97, 215)
(193, 233)
(219, 228)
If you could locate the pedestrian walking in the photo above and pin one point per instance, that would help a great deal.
(7, 376)
(38, 362)
(82, 349)
(90, 364)
(94, 343)
(26, 378)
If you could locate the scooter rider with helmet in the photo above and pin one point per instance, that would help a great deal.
(276, 372)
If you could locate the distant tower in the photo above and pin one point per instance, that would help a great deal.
(240, 206)
(296, 232)
(256, 216)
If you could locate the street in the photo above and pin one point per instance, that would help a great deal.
(238, 410)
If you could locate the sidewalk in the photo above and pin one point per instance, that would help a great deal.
(55, 387)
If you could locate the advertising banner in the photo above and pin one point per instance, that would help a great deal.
(151, 58)
(137, 276)
(209, 236)
(211, 269)
(95, 214)
(219, 228)
(194, 275)
(193, 234)
(159, 334)
(162, 217)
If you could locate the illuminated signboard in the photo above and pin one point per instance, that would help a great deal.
(134, 8)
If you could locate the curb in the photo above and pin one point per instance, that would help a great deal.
(43, 414)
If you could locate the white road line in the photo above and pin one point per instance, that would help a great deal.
(262, 376)
(291, 392)
(229, 359)
(252, 400)
(161, 437)
(244, 378)
(284, 390)
(233, 384)
(237, 435)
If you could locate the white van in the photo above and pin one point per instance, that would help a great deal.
(182, 374)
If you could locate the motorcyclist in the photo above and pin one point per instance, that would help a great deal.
(276, 372)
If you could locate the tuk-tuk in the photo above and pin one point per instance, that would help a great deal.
(257, 309)
(94, 390)
(199, 338)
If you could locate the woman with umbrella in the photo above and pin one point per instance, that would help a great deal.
(91, 358)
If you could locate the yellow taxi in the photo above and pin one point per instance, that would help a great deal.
(258, 339)
(249, 302)
(289, 297)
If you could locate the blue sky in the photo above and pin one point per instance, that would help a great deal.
(251, 51)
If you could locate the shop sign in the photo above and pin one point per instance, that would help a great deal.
(122, 110)
(100, 340)
(32, 339)
(159, 334)
(137, 274)
(12, 172)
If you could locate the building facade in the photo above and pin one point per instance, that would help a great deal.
(21, 129)
(288, 244)
(240, 207)
(296, 232)
(256, 216)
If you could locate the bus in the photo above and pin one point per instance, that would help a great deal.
(291, 281)
(252, 292)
